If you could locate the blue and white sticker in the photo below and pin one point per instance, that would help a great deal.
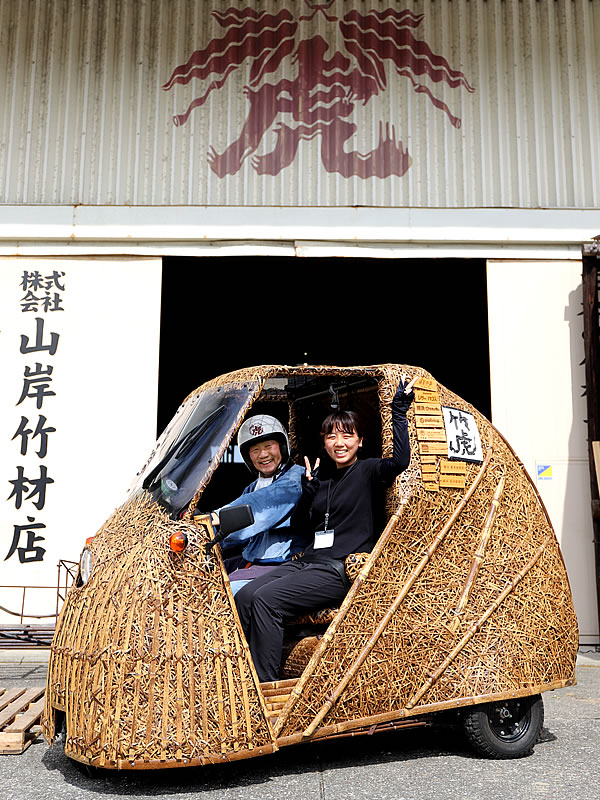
(544, 472)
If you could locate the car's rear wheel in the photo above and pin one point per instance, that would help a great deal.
(507, 728)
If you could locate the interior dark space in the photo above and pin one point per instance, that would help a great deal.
(220, 314)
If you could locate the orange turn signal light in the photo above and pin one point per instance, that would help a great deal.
(89, 540)
(178, 541)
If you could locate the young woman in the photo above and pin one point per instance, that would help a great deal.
(337, 518)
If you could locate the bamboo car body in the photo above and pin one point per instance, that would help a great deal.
(463, 601)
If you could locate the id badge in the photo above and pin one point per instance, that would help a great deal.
(323, 539)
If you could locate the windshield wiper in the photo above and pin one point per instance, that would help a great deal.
(181, 448)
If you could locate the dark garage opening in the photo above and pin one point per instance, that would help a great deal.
(220, 314)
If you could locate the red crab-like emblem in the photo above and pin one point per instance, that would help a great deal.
(323, 87)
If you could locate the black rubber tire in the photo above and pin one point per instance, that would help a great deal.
(506, 729)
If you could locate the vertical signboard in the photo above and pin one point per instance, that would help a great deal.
(79, 343)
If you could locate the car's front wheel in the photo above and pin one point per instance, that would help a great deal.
(507, 728)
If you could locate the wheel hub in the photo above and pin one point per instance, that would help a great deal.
(510, 720)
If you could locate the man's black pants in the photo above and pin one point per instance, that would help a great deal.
(264, 604)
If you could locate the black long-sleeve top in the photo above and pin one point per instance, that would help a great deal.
(351, 492)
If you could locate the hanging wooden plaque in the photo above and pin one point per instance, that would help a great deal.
(453, 467)
(433, 448)
(427, 383)
(429, 422)
(431, 435)
(429, 468)
(421, 396)
(429, 476)
(430, 409)
(453, 481)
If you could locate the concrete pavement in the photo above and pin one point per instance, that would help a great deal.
(420, 764)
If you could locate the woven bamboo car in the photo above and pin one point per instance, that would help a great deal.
(463, 604)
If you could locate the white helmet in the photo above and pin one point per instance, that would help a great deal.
(258, 429)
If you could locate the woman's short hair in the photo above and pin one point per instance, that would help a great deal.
(347, 421)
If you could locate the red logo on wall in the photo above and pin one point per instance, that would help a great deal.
(326, 82)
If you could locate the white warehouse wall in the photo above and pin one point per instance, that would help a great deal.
(537, 383)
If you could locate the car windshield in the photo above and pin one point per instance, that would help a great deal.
(194, 438)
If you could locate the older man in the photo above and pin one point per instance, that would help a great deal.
(272, 495)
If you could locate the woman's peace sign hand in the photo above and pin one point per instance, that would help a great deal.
(309, 471)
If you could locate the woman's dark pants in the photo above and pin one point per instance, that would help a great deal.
(264, 604)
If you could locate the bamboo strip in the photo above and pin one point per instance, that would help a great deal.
(167, 679)
(136, 686)
(334, 695)
(191, 675)
(231, 687)
(245, 698)
(476, 627)
(220, 704)
(276, 698)
(152, 681)
(269, 686)
(479, 554)
(201, 761)
(72, 616)
(179, 698)
(86, 720)
(121, 677)
(203, 677)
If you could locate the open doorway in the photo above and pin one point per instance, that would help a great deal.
(220, 314)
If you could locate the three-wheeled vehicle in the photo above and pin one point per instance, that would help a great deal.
(463, 603)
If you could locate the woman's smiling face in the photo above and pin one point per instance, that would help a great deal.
(342, 446)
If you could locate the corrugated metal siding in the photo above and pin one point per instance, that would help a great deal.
(84, 117)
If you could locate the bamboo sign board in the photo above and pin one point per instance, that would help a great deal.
(463, 600)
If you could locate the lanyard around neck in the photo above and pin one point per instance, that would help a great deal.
(331, 493)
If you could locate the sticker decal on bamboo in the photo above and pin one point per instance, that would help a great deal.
(453, 481)
(428, 459)
(431, 434)
(430, 384)
(431, 487)
(422, 396)
(429, 468)
(433, 448)
(464, 442)
(453, 467)
(429, 422)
